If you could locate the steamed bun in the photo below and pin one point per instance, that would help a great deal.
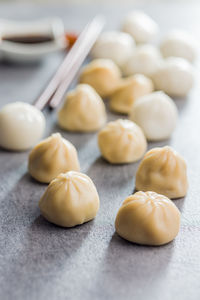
(103, 75)
(83, 110)
(70, 199)
(156, 114)
(140, 26)
(146, 59)
(115, 45)
(51, 157)
(163, 171)
(122, 141)
(124, 96)
(174, 76)
(148, 219)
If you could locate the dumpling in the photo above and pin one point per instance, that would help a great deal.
(140, 26)
(83, 110)
(124, 96)
(115, 45)
(146, 59)
(180, 44)
(51, 157)
(21, 126)
(70, 199)
(122, 141)
(163, 171)
(175, 77)
(148, 219)
(103, 75)
(156, 114)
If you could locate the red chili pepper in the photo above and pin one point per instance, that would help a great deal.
(71, 38)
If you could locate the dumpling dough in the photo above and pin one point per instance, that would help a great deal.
(83, 110)
(180, 44)
(51, 157)
(140, 26)
(146, 59)
(163, 171)
(148, 219)
(21, 126)
(103, 75)
(156, 114)
(174, 76)
(70, 199)
(115, 45)
(123, 98)
(122, 141)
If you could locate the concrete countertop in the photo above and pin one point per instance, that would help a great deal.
(41, 261)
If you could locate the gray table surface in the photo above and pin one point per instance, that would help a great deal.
(41, 261)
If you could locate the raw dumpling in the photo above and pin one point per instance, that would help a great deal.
(70, 199)
(180, 44)
(156, 114)
(163, 171)
(122, 141)
(115, 45)
(103, 75)
(124, 96)
(146, 59)
(140, 26)
(83, 110)
(148, 219)
(174, 76)
(51, 157)
(21, 126)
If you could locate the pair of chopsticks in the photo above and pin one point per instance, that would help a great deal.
(54, 92)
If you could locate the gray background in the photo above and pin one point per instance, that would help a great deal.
(41, 261)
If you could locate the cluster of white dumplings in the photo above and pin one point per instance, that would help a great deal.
(153, 75)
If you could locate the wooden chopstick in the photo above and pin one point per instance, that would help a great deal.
(90, 36)
(45, 97)
(70, 59)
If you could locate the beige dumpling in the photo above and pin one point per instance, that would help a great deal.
(132, 88)
(103, 75)
(83, 110)
(148, 219)
(51, 157)
(163, 171)
(70, 199)
(122, 141)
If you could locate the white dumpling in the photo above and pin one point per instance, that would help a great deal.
(122, 141)
(52, 156)
(179, 43)
(115, 45)
(145, 60)
(70, 199)
(156, 114)
(142, 27)
(83, 110)
(21, 126)
(175, 77)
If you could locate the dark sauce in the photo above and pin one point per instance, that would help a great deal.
(29, 39)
